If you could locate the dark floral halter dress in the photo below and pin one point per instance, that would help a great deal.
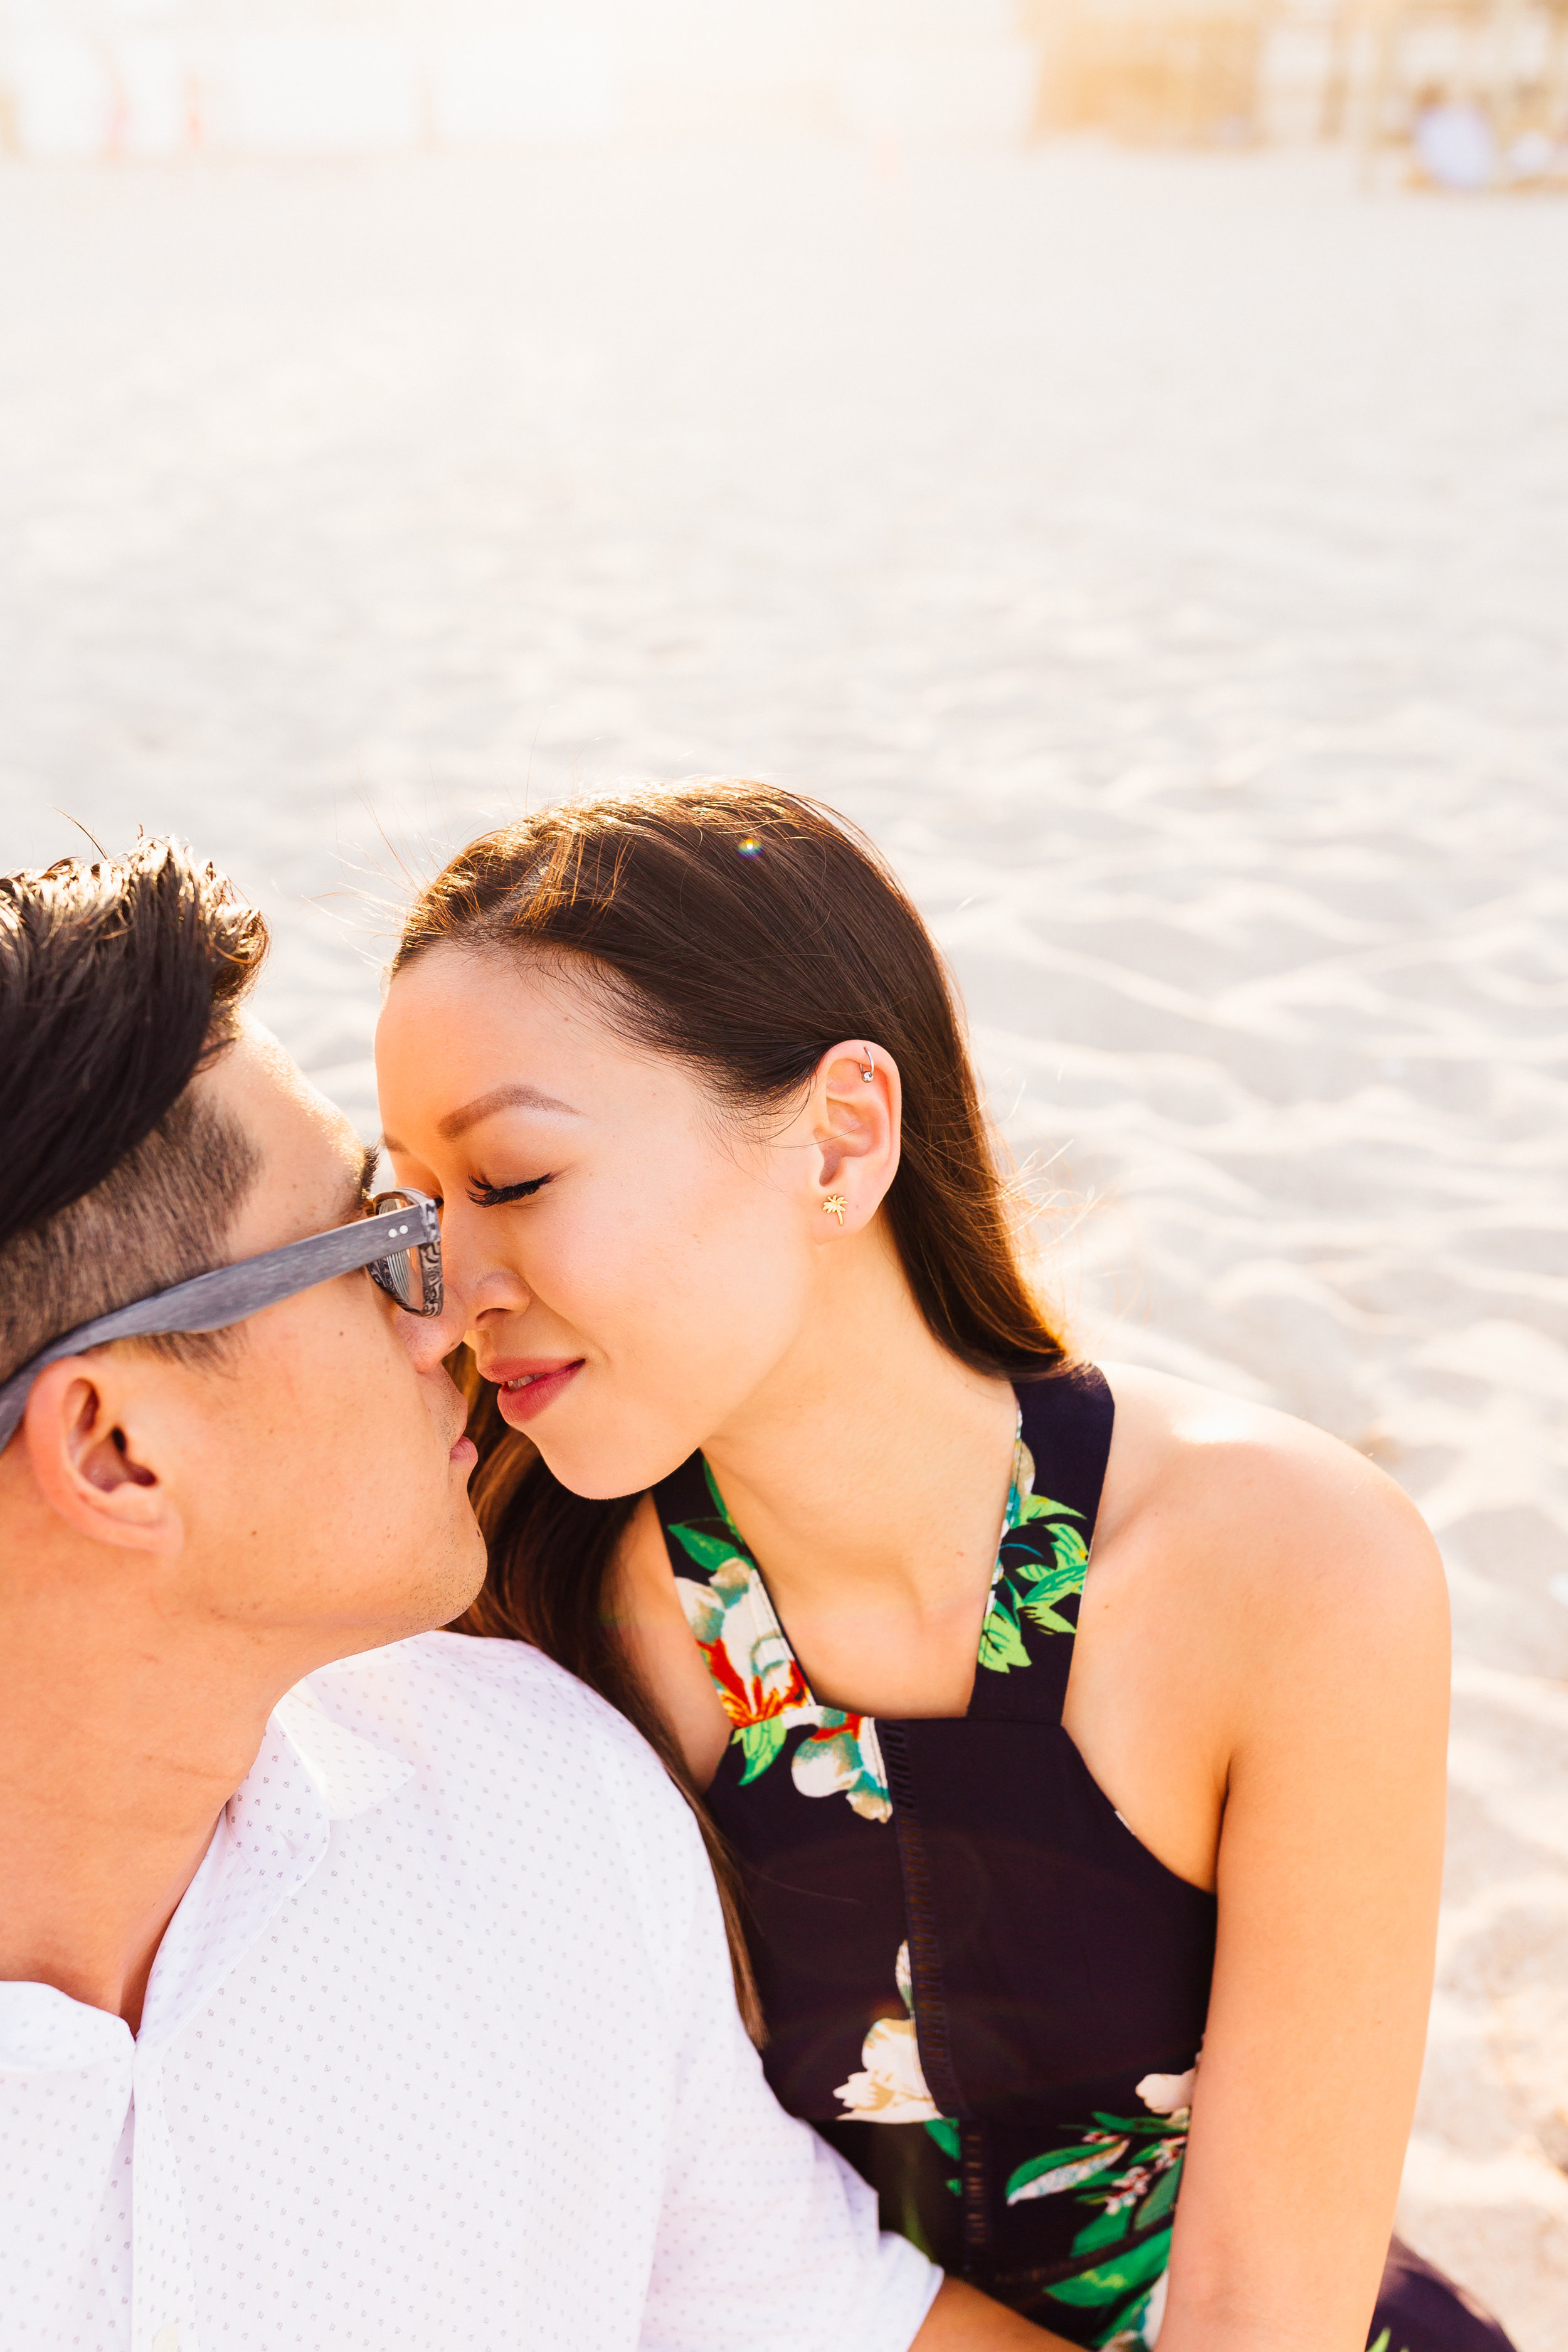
(978, 1985)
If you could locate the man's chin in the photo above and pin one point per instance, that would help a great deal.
(467, 1583)
(445, 1591)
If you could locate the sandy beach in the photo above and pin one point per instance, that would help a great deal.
(1166, 557)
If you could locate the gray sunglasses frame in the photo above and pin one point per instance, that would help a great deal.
(212, 1302)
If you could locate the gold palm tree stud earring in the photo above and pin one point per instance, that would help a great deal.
(835, 1207)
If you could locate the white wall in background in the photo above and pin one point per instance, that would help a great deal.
(61, 92)
(150, 78)
(310, 92)
(500, 82)
(157, 94)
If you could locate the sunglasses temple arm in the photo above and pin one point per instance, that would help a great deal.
(212, 1302)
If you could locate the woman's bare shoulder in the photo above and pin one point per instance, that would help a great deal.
(1264, 1510)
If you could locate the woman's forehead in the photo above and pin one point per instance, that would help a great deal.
(482, 988)
(467, 1035)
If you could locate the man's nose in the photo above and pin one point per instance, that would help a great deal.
(430, 1337)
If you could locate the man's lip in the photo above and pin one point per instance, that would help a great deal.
(525, 1386)
(465, 1453)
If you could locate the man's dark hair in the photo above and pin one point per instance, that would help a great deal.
(120, 980)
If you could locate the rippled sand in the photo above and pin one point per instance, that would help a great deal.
(1167, 558)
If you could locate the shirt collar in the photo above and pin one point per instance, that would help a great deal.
(310, 1769)
(351, 1772)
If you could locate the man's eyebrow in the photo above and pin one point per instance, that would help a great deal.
(357, 1191)
(518, 1096)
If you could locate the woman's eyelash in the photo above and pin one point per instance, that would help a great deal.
(495, 1196)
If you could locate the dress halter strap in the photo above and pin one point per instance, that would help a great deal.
(1031, 1626)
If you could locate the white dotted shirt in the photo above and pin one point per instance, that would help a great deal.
(439, 2053)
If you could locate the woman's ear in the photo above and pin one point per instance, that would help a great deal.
(855, 1113)
(79, 1431)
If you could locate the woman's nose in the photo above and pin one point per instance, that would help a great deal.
(477, 1285)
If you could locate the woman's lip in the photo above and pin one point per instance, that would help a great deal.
(504, 1369)
(523, 1391)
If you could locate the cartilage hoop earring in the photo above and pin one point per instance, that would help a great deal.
(867, 1067)
(835, 1207)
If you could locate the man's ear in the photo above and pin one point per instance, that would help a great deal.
(856, 1109)
(80, 1432)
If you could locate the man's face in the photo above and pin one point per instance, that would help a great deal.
(320, 1471)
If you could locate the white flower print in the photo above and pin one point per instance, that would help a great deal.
(1169, 2095)
(842, 1757)
(890, 2087)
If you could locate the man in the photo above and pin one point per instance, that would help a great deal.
(375, 2003)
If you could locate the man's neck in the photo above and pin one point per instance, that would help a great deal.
(121, 1745)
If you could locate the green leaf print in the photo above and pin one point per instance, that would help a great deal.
(708, 1551)
(1160, 2200)
(1081, 2164)
(1119, 2221)
(1025, 1567)
(1051, 1585)
(1065, 1542)
(1138, 2266)
(1001, 1644)
(946, 2135)
(760, 1743)
(1037, 1574)
(1107, 2228)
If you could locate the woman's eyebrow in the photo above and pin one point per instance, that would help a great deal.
(518, 1096)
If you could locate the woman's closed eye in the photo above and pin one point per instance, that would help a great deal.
(496, 1196)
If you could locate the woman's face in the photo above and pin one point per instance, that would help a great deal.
(631, 1263)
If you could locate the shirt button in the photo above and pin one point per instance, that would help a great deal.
(167, 2339)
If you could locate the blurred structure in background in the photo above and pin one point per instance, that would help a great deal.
(1473, 93)
(1475, 90)
(1161, 70)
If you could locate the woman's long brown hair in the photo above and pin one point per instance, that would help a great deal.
(742, 931)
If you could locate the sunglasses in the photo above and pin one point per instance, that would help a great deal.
(398, 1244)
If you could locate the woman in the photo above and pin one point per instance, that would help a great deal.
(1077, 1735)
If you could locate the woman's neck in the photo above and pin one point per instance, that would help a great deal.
(868, 1475)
